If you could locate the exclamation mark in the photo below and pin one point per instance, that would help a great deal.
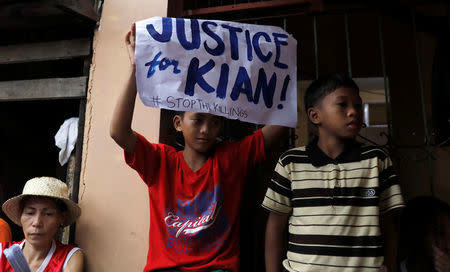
(283, 91)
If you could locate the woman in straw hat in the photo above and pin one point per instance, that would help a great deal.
(41, 210)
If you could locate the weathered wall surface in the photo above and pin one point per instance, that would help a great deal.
(113, 227)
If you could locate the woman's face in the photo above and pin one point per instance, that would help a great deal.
(40, 219)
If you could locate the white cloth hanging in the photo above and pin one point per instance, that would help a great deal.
(66, 138)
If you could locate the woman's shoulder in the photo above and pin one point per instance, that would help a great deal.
(74, 260)
(75, 263)
(71, 255)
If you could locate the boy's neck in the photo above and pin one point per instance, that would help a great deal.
(331, 146)
(193, 159)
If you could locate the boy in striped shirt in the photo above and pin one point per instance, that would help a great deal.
(339, 197)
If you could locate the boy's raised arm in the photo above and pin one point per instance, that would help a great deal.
(272, 134)
(274, 241)
(120, 129)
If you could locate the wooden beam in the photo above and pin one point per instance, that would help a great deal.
(38, 89)
(57, 50)
(78, 160)
(175, 8)
(245, 6)
(83, 8)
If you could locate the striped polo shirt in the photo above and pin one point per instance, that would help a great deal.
(334, 206)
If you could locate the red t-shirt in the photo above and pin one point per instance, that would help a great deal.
(194, 216)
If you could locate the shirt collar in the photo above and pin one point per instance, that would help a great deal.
(351, 153)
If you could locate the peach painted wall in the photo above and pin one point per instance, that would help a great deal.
(113, 227)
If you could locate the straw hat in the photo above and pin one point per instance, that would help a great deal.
(47, 187)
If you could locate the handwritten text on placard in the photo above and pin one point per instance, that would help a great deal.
(240, 71)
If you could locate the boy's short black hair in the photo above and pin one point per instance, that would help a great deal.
(325, 85)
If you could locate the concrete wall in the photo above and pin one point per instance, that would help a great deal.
(113, 227)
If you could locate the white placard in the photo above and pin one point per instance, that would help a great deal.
(239, 71)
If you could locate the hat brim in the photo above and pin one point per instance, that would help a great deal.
(11, 208)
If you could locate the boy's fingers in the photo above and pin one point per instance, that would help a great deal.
(127, 37)
(130, 42)
(133, 33)
(130, 46)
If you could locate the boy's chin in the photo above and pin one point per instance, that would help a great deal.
(204, 149)
(348, 137)
(352, 134)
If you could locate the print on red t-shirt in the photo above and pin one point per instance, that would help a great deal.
(202, 217)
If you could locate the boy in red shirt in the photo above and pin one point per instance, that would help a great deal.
(194, 194)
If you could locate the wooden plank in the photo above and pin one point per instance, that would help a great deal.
(78, 161)
(175, 8)
(65, 235)
(83, 8)
(58, 50)
(26, 9)
(36, 89)
(30, 14)
(245, 6)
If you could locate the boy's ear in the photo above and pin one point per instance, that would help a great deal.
(314, 115)
(177, 122)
